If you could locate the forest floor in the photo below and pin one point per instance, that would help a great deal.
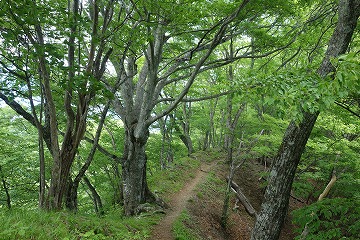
(178, 202)
(203, 196)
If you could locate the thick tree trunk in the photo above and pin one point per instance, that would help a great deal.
(274, 208)
(140, 97)
(71, 202)
(60, 182)
(135, 188)
(206, 140)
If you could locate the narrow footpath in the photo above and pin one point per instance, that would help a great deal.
(162, 230)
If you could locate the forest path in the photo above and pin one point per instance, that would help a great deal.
(163, 230)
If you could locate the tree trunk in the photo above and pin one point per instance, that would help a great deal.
(274, 208)
(206, 140)
(305, 232)
(71, 198)
(185, 123)
(42, 170)
(6, 189)
(71, 202)
(95, 196)
(140, 96)
(135, 188)
(328, 187)
(184, 131)
(60, 184)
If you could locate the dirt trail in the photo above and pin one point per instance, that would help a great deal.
(177, 203)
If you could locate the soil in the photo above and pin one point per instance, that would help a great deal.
(204, 198)
(178, 203)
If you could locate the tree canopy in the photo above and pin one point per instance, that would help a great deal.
(97, 95)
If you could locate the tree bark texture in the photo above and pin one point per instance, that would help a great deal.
(135, 188)
(76, 118)
(274, 208)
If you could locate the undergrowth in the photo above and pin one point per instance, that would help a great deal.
(37, 224)
(336, 218)
(20, 224)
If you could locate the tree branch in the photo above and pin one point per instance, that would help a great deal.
(243, 199)
(198, 99)
(347, 108)
(214, 43)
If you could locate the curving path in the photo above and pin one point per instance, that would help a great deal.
(162, 230)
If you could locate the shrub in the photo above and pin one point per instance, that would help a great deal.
(337, 218)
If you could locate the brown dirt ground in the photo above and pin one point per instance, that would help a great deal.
(204, 202)
(178, 203)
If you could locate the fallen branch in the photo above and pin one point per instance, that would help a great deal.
(331, 183)
(242, 198)
(328, 187)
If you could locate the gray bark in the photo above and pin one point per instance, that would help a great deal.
(274, 207)
(135, 188)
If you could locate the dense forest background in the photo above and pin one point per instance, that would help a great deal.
(103, 100)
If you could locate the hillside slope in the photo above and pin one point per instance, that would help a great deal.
(199, 208)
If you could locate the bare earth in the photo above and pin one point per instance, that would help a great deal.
(205, 208)
(178, 201)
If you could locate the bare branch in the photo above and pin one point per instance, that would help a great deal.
(215, 42)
